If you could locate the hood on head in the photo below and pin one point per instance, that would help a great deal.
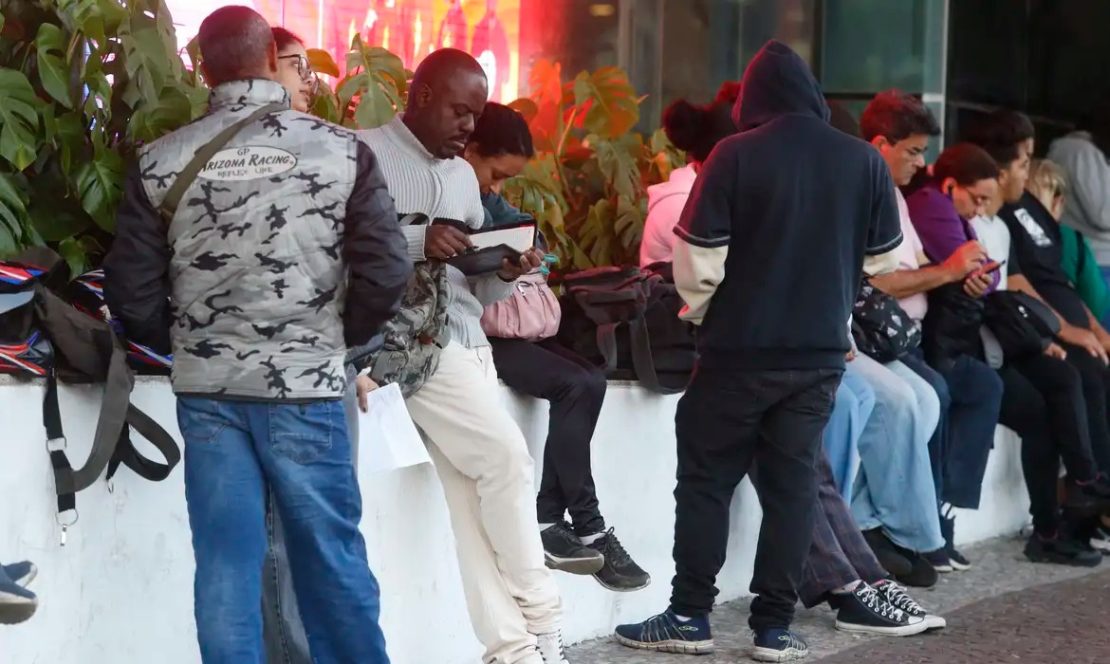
(777, 82)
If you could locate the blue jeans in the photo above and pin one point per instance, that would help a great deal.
(235, 453)
(970, 401)
(894, 490)
(854, 402)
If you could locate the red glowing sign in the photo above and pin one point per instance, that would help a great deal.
(487, 29)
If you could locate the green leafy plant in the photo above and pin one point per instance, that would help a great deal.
(588, 184)
(83, 84)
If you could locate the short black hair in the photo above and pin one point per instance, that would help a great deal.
(501, 130)
(283, 39)
(697, 129)
(1001, 134)
(966, 163)
(235, 44)
(441, 65)
(896, 116)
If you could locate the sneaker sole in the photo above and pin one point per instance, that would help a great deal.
(579, 566)
(934, 622)
(1055, 559)
(15, 610)
(672, 646)
(960, 567)
(903, 630)
(621, 590)
(945, 569)
(769, 655)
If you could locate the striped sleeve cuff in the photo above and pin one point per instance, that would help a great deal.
(706, 243)
(886, 246)
(414, 236)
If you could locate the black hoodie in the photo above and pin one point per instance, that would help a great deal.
(776, 228)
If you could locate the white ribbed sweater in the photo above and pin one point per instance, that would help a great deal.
(440, 189)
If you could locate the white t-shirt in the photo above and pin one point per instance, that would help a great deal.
(907, 252)
(995, 238)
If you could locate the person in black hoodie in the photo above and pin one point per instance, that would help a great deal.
(769, 262)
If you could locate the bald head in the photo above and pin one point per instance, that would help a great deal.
(447, 95)
(236, 43)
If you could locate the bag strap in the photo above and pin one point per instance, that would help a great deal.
(173, 197)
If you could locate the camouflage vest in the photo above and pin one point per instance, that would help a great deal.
(258, 280)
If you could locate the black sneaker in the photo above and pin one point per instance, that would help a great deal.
(896, 596)
(1089, 498)
(776, 644)
(619, 572)
(887, 552)
(864, 611)
(956, 560)
(922, 574)
(1061, 552)
(666, 633)
(562, 550)
(939, 560)
(1100, 540)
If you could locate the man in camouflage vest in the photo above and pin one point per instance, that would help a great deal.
(284, 249)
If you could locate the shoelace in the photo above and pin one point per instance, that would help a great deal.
(870, 597)
(565, 534)
(792, 641)
(896, 595)
(613, 550)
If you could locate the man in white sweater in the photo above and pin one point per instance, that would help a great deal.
(478, 449)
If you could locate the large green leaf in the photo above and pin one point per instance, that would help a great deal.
(611, 102)
(379, 83)
(158, 116)
(99, 184)
(19, 116)
(74, 254)
(617, 160)
(13, 211)
(50, 53)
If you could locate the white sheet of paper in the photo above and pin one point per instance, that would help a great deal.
(520, 238)
(387, 438)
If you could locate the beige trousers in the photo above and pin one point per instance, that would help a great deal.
(488, 480)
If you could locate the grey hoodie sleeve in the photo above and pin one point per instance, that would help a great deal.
(1089, 182)
(375, 251)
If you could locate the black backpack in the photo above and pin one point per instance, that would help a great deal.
(1023, 325)
(79, 349)
(625, 320)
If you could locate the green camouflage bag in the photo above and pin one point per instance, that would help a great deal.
(413, 338)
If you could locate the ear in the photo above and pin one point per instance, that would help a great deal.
(880, 142)
(272, 60)
(948, 186)
(424, 96)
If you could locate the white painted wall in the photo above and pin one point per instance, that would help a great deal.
(121, 590)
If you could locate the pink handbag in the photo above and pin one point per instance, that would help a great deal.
(531, 313)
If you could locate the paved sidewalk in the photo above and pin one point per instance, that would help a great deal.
(1051, 621)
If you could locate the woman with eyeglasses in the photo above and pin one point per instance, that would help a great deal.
(294, 70)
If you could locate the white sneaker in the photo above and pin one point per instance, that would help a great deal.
(551, 648)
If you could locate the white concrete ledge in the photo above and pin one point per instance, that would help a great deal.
(121, 590)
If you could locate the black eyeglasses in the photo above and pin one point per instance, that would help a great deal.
(304, 69)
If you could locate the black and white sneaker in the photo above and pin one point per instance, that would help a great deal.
(864, 611)
(956, 560)
(619, 573)
(939, 560)
(563, 551)
(1100, 540)
(896, 596)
